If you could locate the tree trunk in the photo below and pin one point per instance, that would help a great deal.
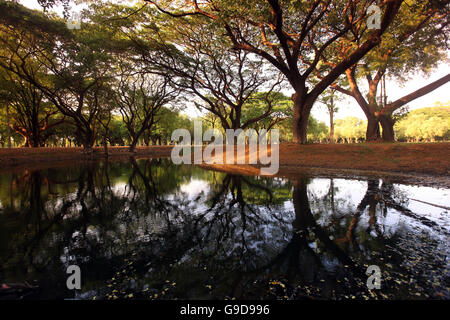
(133, 146)
(373, 129)
(302, 109)
(34, 134)
(146, 140)
(34, 140)
(88, 142)
(332, 125)
(105, 147)
(387, 123)
(8, 129)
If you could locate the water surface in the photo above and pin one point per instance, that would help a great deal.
(148, 229)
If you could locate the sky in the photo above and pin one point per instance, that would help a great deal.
(348, 107)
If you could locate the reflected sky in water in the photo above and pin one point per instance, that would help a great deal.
(148, 229)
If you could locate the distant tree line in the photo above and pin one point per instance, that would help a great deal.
(430, 124)
(425, 125)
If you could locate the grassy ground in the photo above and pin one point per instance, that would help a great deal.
(426, 158)
(432, 158)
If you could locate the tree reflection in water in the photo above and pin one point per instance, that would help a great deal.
(140, 229)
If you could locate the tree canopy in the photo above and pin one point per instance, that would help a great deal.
(233, 60)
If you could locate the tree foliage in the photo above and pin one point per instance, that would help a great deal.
(426, 124)
(231, 59)
(350, 129)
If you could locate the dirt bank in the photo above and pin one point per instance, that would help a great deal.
(427, 158)
(41, 158)
(418, 161)
(424, 164)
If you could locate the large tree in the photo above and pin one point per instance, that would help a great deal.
(282, 108)
(78, 63)
(32, 116)
(221, 80)
(416, 44)
(139, 98)
(293, 36)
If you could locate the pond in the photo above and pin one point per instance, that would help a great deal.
(148, 229)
